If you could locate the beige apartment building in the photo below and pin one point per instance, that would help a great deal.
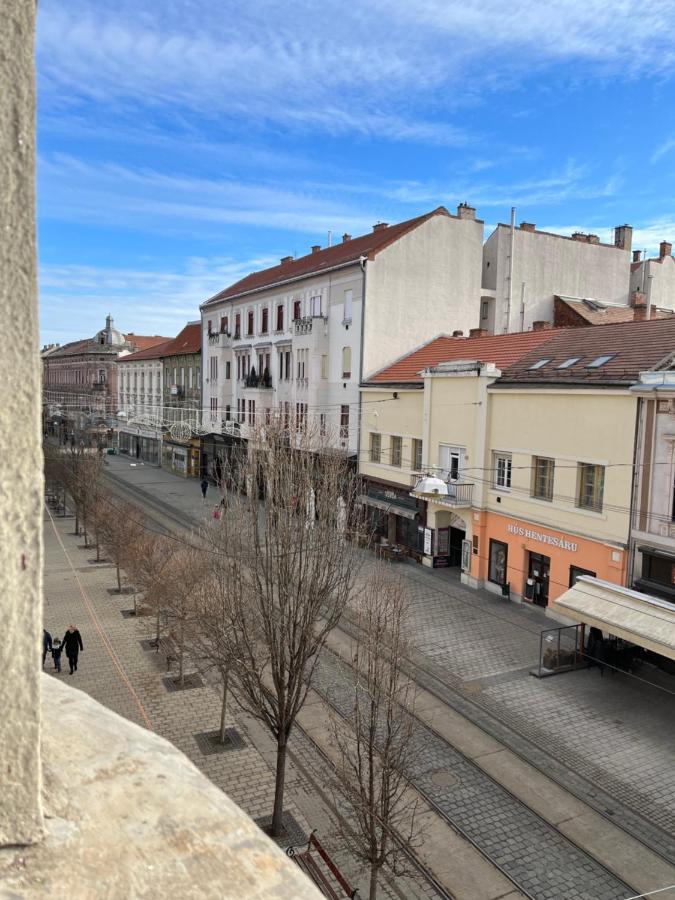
(520, 469)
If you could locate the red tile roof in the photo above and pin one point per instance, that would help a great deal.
(348, 251)
(145, 341)
(633, 347)
(154, 352)
(189, 340)
(500, 349)
(598, 313)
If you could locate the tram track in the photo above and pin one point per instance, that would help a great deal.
(484, 720)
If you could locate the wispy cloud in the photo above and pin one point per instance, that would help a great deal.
(666, 147)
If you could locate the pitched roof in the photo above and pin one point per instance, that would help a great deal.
(500, 349)
(154, 352)
(189, 340)
(339, 254)
(145, 341)
(595, 312)
(632, 347)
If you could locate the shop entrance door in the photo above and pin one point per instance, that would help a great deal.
(538, 571)
(456, 538)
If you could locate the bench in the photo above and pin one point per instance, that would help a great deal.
(310, 859)
(167, 646)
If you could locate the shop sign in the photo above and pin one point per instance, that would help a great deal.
(466, 556)
(572, 546)
(428, 535)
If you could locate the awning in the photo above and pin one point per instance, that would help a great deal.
(641, 619)
(389, 507)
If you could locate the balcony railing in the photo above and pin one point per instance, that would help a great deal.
(253, 380)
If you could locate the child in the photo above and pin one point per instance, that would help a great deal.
(56, 653)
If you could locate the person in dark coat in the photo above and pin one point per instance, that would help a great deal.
(46, 645)
(204, 486)
(72, 644)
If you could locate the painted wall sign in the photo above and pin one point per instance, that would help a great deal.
(572, 546)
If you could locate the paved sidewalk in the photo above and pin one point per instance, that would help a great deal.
(618, 732)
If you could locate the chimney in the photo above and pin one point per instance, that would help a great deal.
(316, 248)
(636, 256)
(286, 259)
(458, 333)
(346, 237)
(579, 236)
(528, 226)
(638, 301)
(380, 226)
(477, 332)
(541, 325)
(623, 237)
(652, 312)
(665, 249)
(464, 211)
(592, 239)
(639, 313)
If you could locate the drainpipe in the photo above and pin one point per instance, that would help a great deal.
(362, 262)
(509, 296)
(522, 306)
(637, 449)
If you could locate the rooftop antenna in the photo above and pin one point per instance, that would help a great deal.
(330, 238)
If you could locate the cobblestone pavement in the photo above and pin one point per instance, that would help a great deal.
(536, 856)
(117, 670)
(615, 733)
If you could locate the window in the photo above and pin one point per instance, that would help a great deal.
(280, 317)
(657, 569)
(484, 308)
(228, 366)
(542, 478)
(499, 554)
(450, 462)
(417, 454)
(347, 313)
(315, 306)
(395, 450)
(189, 378)
(237, 325)
(182, 375)
(346, 362)
(227, 413)
(502, 470)
(297, 310)
(569, 362)
(214, 408)
(541, 363)
(249, 323)
(251, 412)
(375, 447)
(344, 422)
(208, 327)
(324, 366)
(600, 361)
(223, 324)
(288, 365)
(214, 368)
(591, 484)
(576, 572)
(265, 324)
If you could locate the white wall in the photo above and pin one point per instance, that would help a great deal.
(550, 264)
(424, 284)
(660, 287)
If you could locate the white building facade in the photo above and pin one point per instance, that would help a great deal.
(655, 278)
(139, 404)
(299, 338)
(523, 270)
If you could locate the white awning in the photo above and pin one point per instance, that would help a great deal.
(641, 619)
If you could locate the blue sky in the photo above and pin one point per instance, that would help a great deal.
(184, 143)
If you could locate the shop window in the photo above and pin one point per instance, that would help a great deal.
(658, 569)
(417, 454)
(576, 572)
(395, 450)
(543, 470)
(591, 485)
(499, 552)
(501, 467)
(375, 448)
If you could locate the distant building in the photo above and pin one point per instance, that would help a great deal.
(182, 401)
(524, 269)
(80, 381)
(655, 277)
(570, 312)
(140, 416)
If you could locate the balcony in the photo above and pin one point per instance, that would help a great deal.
(454, 494)
(98, 385)
(254, 380)
(304, 325)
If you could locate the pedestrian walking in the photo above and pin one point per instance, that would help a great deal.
(205, 487)
(56, 653)
(46, 645)
(72, 644)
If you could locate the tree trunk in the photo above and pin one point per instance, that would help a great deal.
(372, 894)
(277, 824)
(98, 545)
(181, 653)
(119, 577)
(223, 711)
(158, 624)
(135, 606)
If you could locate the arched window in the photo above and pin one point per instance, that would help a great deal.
(346, 362)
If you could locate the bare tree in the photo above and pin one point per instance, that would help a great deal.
(286, 571)
(210, 640)
(183, 576)
(121, 529)
(147, 564)
(374, 735)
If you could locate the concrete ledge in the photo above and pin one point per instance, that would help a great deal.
(127, 815)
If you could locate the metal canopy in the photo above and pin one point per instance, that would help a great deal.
(389, 507)
(641, 619)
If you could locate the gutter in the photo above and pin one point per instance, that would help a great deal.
(266, 287)
(363, 260)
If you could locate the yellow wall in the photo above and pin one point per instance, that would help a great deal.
(403, 417)
(570, 427)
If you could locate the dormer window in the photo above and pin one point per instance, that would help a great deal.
(569, 362)
(600, 361)
(541, 363)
